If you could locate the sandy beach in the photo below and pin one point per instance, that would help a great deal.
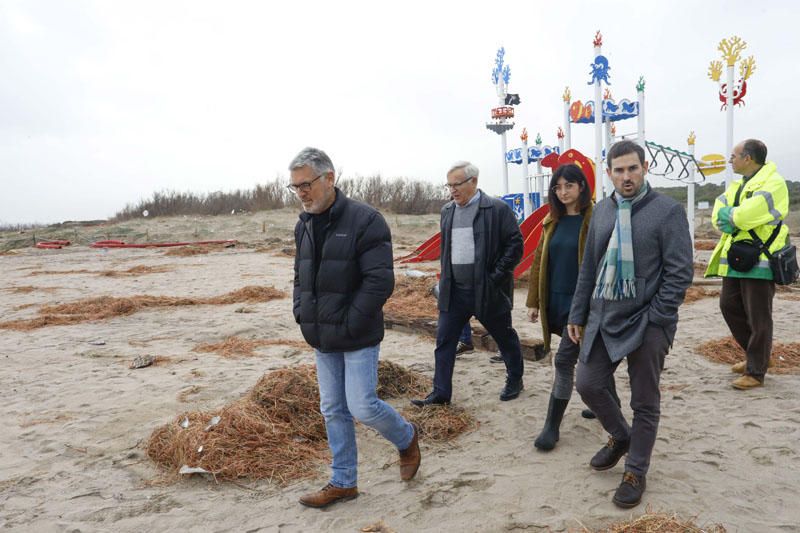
(76, 416)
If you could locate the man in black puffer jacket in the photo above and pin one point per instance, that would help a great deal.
(342, 277)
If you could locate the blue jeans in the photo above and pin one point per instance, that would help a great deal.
(347, 382)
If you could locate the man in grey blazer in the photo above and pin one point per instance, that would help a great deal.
(635, 271)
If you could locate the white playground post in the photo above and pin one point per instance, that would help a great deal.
(599, 184)
(640, 117)
(526, 180)
(539, 176)
(501, 94)
(567, 141)
(729, 126)
(690, 202)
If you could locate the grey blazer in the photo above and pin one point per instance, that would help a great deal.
(663, 257)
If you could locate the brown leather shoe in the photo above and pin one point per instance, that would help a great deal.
(746, 382)
(410, 457)
(741, 366)
(328, 495)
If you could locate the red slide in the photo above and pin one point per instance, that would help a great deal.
(427, 251)
(531, 229)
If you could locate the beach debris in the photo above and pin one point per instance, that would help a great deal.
(211, 423)
(186, 469)
(411, 273)
(661, 522)
(105, 307)
(97, 342)
(378, 527)
(274, 432)
(440, 423)
(785, 356)
(245, 310)
(142, 361)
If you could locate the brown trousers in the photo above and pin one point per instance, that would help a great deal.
(746, 305)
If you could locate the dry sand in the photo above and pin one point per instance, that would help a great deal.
(76, 416)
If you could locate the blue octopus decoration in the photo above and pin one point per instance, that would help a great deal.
(600, 70)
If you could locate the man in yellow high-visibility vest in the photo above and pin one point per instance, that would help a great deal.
(752, 207)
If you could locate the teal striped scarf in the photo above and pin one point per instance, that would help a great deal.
(617, 277)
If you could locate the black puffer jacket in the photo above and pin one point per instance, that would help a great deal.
(340, 309)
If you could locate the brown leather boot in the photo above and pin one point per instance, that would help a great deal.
(741, 366)
(410, 457)
(328, 495)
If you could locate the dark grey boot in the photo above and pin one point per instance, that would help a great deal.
(555, 413)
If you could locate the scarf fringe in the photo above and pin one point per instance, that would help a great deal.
(618, 290)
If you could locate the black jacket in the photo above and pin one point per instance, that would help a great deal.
(498, 249)
(341, 308)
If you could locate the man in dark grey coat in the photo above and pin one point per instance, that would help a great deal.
(481, 245)
(636, 268)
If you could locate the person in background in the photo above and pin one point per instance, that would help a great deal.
(552, 280)
(752, 207)
(481, 245)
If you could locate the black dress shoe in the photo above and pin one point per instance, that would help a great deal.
(511, 390)
(431, 399)
(610, 454)
(630, 491)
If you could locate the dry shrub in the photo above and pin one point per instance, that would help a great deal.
(395, 381)
(276, 431)
(785, 356)
(652, 522)
(236, 346)
(59, 272)
(137, 270)
(188, 251)
(105, 307)
(440, 423)
(412, 299)
(23, 289)
(704, 244)
(786, 293)
(695, 293)
(245, 443)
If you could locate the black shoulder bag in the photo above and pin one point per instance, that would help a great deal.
(743, 255)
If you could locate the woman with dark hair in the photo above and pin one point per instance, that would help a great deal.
(553, 276)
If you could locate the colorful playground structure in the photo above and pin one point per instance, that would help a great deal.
(664, 161)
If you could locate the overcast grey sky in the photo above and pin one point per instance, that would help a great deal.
(104, 102)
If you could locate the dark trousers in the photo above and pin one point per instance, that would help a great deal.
(644, 371)
(449, 329)
(746, 305)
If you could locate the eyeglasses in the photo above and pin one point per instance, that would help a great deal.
(451, 186)
(303, 187)
(568, 186)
